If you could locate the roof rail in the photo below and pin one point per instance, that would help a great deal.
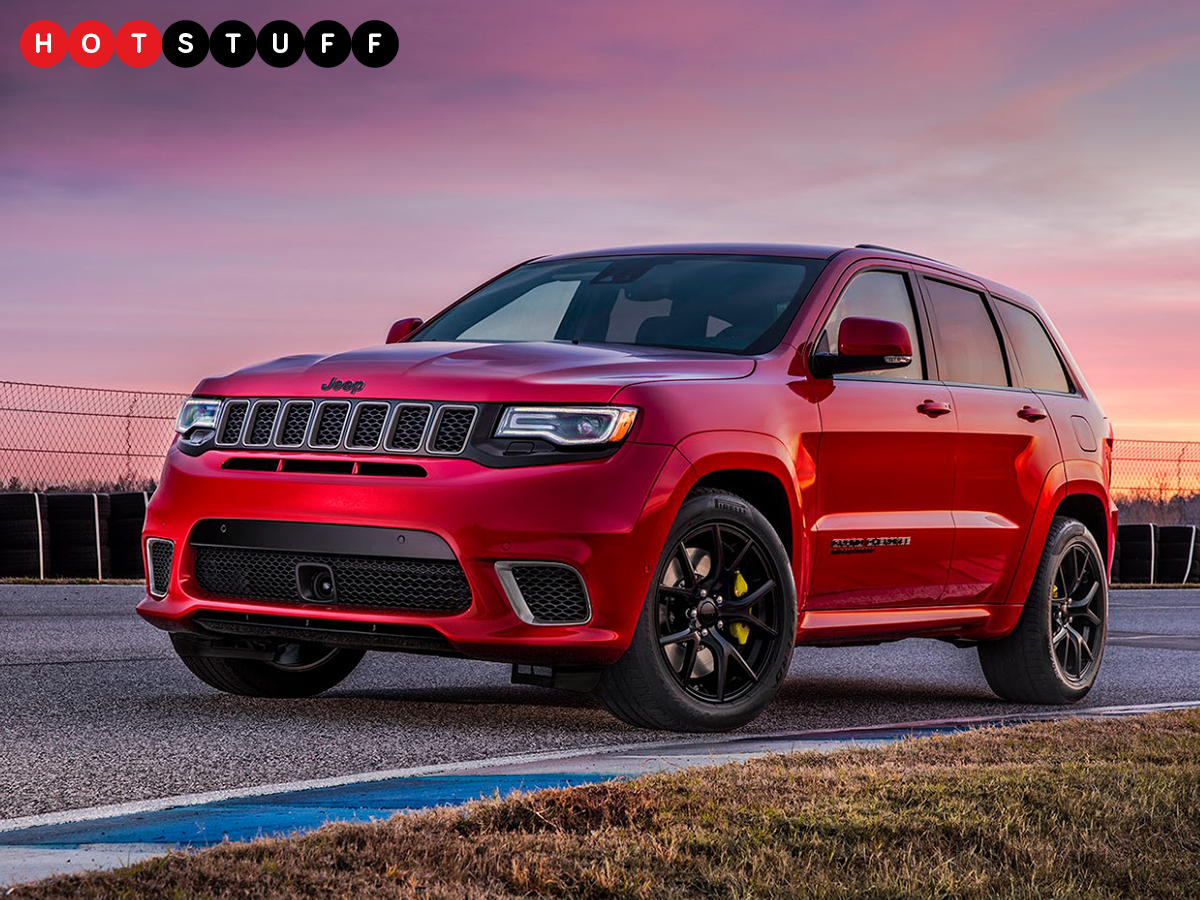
(894, 250)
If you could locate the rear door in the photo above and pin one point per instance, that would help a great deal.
(1006, 445)
(884, 530)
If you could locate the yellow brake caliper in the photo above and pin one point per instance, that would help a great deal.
(740, 630)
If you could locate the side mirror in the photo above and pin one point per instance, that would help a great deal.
(865, 345)
(402, 328)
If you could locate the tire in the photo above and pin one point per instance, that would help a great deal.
(128, 505)
(644, 688)
(73, 539)
(1026, 667)
(256, 678)
(22, 536)
(125, 544)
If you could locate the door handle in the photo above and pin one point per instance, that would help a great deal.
(933, 409)
(1031, 413)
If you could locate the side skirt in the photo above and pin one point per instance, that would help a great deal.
(867, 626)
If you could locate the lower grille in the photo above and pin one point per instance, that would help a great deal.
(545, 593)
(160, 554)
(372, 581)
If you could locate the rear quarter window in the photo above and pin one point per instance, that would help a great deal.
(1040, 363)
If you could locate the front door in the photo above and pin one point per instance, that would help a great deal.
(885, 469)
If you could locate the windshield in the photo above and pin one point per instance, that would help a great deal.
(731, 304)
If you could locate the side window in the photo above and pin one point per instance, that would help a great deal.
(534, 316)
(968, 346)
(877, 295)
(1039, 361)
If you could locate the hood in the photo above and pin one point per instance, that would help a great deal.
(546, 372)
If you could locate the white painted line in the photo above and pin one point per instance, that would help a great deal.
(706, 745)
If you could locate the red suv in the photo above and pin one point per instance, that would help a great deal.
(650, 472)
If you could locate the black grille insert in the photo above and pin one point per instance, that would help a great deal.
(453, 428)
(235, 418)
(409, 427)
(369, 419)
(553, 594)
(160, 554)
(331, 422)
(263, 423)
(417, 585)
(295, 424)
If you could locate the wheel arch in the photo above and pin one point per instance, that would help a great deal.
(1088, 509)
(758, 468)
(762, 490)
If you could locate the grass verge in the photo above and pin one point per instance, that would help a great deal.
(1071, 809)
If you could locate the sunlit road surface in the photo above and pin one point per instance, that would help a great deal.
(97, 710)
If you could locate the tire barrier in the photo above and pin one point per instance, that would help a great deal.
(1178, 555)
(79, 535)
(125, 525)
(24, 536)
(1138, 554)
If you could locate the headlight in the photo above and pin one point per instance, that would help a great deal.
(568, 425)
(197, 413)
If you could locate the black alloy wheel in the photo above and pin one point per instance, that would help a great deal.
(1053, 654)
(716, 629)
(1077, 613)
(718, 612)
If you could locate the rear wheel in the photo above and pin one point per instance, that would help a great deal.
(1054, 653)
(299, 670)
(715, 635)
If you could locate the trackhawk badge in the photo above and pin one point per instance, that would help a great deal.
(866, 544)
(336, 384)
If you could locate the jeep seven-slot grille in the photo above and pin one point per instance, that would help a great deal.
(419, 585)
(357, 426)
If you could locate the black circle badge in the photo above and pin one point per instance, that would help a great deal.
(280, 43)
(185, 44)
(327, 43)
(375, 43)
(232, 44)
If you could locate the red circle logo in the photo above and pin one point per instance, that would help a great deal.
(43, 44)
(90, 43)
(138, 43)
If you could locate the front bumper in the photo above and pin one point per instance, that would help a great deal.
(606, 518)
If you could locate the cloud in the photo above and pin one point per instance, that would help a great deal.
(1031, 142)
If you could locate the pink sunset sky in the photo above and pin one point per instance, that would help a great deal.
(160, 224)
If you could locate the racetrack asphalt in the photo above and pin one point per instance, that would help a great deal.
(96, 709)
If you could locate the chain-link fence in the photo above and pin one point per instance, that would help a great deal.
(87, 439)
(1157, 481)
(56, 438)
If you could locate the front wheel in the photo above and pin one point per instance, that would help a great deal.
(1054, 653)
(299, 670)
(715, 636)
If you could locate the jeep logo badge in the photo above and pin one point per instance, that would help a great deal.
(336, 384)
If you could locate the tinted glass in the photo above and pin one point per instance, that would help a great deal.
(877, 295)
(733, 304)
(968, 347)
(1039, 361)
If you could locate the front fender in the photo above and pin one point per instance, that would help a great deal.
(713, 452)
